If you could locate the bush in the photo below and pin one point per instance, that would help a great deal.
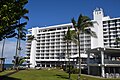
(75, 71)
(72, 70)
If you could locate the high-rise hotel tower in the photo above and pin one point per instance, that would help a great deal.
(49, 48)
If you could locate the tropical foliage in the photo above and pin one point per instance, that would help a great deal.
(31, 37)
(18, 61)
(10, 12)
(82, 26)
(69, 37)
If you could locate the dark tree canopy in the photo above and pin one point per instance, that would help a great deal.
(11, 11)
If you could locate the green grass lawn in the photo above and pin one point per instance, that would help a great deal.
(43, 75)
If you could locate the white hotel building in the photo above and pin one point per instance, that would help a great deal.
(50, 50)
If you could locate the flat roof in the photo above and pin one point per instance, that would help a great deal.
(106, 50)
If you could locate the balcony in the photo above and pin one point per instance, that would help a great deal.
(96, 61)
(111, 61)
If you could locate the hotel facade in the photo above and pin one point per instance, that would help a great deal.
(49, 48)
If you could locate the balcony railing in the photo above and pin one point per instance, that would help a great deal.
(94, 61)
(111, 61)
(106, 61)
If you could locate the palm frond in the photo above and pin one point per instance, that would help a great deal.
(79, 22)
(90, 32)
(26, 17)
(117, 39)
(74, 23)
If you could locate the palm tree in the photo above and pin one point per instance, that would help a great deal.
(18, 61)
(21, 31)
(9, 34)
(69, 37)
(82, 26)
(11, 11)
(21, 35)
(31, 37)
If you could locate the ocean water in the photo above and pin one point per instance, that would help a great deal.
(8, 65)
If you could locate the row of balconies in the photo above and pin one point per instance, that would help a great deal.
(56, 49)
(111, 22)
(59, 36)
(106, 61)
(55, 33)
(60, 41)
(61, 51)
(52, 31)
(111, 26)
(63, 43)
(50, 55)
(55, 53)
(111, 30)
(50, 58)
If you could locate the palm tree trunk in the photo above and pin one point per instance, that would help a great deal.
(19, 48)
(3, 48)
(16, 53)
(79, 58)
(2, 59)
(19, 40)
(68, 58)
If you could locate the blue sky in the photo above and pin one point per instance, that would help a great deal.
(51, 12)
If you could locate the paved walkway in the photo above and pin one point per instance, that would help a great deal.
(92, 76)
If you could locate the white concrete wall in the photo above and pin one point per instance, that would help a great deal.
(98, 29)
(33, 49)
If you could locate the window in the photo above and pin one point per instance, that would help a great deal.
(58, 28)
(37, 57)
(51, 29)
(64, 27)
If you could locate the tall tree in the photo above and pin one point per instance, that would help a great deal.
(19, 61)
(11, 12)
(69, 37)
(21, 35)
(82, 26)
(9, 34)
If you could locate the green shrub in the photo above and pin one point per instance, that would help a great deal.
(75, 71)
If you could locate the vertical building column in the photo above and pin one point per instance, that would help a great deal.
(55, 65)
(40, 64)
(102, 64)
(33, 49)
(45, 64)
(88, 60)
(50, 65)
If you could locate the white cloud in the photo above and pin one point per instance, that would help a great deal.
(9, 49)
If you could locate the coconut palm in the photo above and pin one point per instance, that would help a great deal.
(21, 35)
(31, 37)
(18, 61)
(69, 37)
(9, 34)
(21, 31)
(10, 12)
(82, 26)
